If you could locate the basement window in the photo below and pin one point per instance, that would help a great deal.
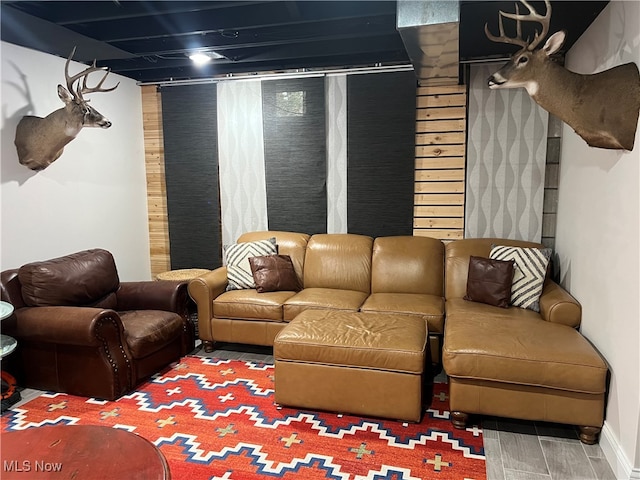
(291, 104)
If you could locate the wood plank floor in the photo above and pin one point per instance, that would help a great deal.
(514, 450)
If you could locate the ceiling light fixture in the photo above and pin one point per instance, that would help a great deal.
(203, 57)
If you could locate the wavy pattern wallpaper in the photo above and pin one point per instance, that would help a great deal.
(336, 100)
(506, 153)
(243, 193)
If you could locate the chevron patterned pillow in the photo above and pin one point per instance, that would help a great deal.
(529, 273)
(239, 275)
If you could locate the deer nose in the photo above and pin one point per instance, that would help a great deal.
(495, 81)
(105, 124)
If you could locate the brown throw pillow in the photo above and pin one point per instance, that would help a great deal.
(489, 281)
(273, 273)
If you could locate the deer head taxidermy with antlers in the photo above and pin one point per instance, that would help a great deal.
(602, 108)
(40, 141)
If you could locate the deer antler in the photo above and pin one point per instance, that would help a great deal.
(532, 16)
(79, 90)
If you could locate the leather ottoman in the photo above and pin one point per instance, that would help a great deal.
(368, 364)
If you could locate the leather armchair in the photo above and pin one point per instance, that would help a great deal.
(81, 331)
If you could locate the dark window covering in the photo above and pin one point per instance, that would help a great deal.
(295, 154)
(191, 169)
(381, 153)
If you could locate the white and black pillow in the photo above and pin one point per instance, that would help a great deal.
(530, 270)
(239, 275)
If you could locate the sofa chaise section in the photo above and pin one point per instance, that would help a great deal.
(515, 362)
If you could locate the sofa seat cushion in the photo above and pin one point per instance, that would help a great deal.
(323, 298)
(249, 304)
(466, 308)
(147, 331)
(428, 307)
(377, 341)
(521, 351)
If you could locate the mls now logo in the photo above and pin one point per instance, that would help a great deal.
(28, 466)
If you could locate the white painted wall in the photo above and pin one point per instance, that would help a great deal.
(94, 195)
(598, 238)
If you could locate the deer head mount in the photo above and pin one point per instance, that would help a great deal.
(602, 108)
(40, 141)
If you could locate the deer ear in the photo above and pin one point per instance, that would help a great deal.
(554, 43)
(64, 94)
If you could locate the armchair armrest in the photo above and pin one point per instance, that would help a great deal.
(168, 295)
(81, 326)
(558, 306)
(94, 336)
(203, 290)
(10, 288)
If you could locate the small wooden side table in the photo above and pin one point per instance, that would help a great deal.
(183, 274)
(80, 451)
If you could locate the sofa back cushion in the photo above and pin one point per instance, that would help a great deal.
(288, 243)
(407, 264)
(458, 254)
(80, 279)
(339, 260)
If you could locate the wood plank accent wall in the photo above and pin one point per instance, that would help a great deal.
(440, 162)
(156, 188)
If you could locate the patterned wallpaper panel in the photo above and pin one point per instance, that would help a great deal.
(243, 193)
(336, 98)
(506, 152)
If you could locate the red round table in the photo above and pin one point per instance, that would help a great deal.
(80, 451)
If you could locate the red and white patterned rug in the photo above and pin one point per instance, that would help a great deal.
(216, 419)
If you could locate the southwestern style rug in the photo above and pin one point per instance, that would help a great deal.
(216, 419)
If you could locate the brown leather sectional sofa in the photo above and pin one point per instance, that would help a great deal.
(338, 271)
(507, 362)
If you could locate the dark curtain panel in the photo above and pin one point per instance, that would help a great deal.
(295, 154)
(191, 170)
(381, 112)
